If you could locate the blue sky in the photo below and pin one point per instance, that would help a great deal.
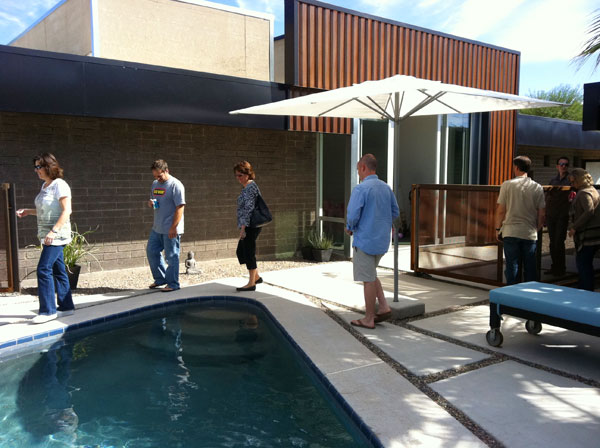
(548, 33)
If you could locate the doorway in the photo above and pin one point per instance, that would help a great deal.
(334, 182)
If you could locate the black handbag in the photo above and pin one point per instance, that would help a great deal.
(261, 215)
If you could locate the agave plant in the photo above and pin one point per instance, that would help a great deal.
(318, 240)
(78, 248)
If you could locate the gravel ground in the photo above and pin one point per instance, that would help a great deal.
(139, 278)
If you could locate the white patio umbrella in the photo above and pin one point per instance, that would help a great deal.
(395, 99)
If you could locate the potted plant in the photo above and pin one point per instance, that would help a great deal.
(306, 248)
(78, 248)
(321, 244)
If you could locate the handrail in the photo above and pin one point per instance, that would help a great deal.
(9, 250)
(453, 233)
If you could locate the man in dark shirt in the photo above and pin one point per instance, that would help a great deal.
(557, 216)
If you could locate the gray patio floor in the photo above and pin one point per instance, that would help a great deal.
(415, 383)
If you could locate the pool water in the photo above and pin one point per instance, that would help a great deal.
(194, 377)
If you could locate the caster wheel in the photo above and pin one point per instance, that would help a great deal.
(494, 337)
(533, 327)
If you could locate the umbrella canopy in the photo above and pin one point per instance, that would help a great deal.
(395, 99)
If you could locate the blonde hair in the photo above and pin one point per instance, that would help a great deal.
(582, 177)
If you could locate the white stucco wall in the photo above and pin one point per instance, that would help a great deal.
(418, 155)
(194, 36)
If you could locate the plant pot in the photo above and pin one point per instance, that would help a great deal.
(307, 253)
(73, 275)
(322, 254)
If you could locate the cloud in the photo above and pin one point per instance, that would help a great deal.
(17, 15)
(6, 18)
(551, 32)
(274, 7)
(542, 30)
(474, 18)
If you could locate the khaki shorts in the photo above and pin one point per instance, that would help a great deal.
(365, 266)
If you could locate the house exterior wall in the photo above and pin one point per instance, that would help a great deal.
(279, 60)
(160, 32)
(329, 47)
(106, 163)
(419, 155)
(545, 139)
(184, 35)
(543, 159)
(66, 30)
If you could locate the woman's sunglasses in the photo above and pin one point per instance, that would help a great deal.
(37, 167)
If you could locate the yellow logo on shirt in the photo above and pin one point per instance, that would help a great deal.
(158, 192)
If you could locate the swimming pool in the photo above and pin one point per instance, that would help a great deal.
(192, 376)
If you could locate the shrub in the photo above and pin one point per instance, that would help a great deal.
(318, 240)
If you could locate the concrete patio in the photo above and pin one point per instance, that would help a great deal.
(431, 380)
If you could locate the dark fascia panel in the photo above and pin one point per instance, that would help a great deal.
(554, 133)
(55, 83)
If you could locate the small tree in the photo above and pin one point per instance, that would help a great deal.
(592, 45)
(561, 94)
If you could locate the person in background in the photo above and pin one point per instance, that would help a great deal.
(585, 227)
(167, 198)
(246, 201)
(519, 217)
(53, 211)
(372, 210)
(557, 217)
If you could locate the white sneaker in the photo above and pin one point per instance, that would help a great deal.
(43, 318)
(65, 313)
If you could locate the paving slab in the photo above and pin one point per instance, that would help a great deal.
(419, 353)
(405, 416)
(333, 282)
(569, 351)
(436, 294)
(526, 407)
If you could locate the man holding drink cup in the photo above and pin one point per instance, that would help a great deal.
(167, 198)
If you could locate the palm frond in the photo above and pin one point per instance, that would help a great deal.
(591, 46)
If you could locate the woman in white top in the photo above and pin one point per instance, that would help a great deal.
(53, 209)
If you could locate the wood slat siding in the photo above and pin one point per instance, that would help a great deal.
(337, 48)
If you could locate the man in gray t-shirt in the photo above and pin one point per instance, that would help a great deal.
(167, 198)
(519, 217)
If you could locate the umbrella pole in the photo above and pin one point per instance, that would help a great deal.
(396, 192)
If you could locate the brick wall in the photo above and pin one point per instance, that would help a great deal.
(543, 172)
(106, 163)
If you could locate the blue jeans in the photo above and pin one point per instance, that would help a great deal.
(165, 270)
(585, 266)
(53, 281)
(515, 250)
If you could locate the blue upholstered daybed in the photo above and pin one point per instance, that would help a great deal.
(573, 309)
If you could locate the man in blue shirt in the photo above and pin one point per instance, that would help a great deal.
(371, 212)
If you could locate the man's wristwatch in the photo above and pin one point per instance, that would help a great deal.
(498, 229)
(54, 231)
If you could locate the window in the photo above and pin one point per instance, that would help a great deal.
(458, 138)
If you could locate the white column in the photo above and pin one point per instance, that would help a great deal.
(355, 151)
(355, 154)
